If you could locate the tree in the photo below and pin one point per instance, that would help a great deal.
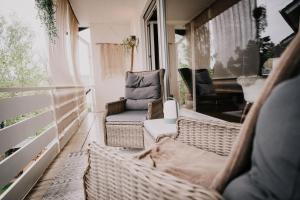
(17, 66)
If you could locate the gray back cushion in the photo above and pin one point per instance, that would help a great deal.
(275, 170)
(140, 90)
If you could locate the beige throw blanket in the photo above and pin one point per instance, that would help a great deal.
(183, 161)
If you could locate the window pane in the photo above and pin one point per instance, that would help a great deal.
(220, 43)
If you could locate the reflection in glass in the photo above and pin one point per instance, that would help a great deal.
(225, 41)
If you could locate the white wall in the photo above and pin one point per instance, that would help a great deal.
(111, 89)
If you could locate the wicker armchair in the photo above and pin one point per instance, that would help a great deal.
(211, 135)
(130, 133)
(113, 175)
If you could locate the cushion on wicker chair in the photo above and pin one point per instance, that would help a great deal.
(128, 116)
(187, 162)
(138, 104)
(275, 169)
(140, 90)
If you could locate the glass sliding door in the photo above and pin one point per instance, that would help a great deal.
(213, 44)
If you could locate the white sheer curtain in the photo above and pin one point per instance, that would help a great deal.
(233, 45)
(63, 52)
(63, 70)
(114, 59)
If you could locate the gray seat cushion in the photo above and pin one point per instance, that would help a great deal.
(275, 168)
(128, 116)
(140, 104)
(140, 90)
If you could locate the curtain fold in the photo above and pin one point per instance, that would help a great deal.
(114, 59)
(224, 39)
(63, 71)
(63, 52)
(59, 73)
(74, 40)
(233, 41)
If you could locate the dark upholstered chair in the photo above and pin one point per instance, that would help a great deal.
(143, 100)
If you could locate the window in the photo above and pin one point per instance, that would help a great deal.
(217, 42)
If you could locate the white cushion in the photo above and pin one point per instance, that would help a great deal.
(158, 127)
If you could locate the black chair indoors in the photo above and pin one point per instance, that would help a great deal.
(208, 98)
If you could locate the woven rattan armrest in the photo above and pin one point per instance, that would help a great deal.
(115, 107)
(113, 175)
(214, 136)
(155, 109)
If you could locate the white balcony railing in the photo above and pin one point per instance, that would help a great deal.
(27, 147)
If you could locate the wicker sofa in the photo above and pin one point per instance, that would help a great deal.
(129, 133)
(113, 175)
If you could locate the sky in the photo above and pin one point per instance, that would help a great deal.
(277, 27)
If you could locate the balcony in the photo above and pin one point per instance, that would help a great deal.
(215, 57)
(43, 134)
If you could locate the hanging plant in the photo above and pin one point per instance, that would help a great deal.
(130, 42)
(46, 13)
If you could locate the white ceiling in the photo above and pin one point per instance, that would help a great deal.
(183, 11)
(103, 11)
(120, 11)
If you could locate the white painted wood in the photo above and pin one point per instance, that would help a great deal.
(66, 120)
(15, 163)
(12, 107)
(68, 133)
(23, 89)
(13, 135)
(61, 96)
(63, 103)
(81, 107)
(20, 188)
(83, 114)
(66, 108)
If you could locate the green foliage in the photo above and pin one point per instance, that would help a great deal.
(46, 13)
(182, 87)
(182, 92)
(20, 118)
(17, 66)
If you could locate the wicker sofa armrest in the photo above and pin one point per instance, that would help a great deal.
(115, 107)
(155, 109)
(111, 175)
(214, 136)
